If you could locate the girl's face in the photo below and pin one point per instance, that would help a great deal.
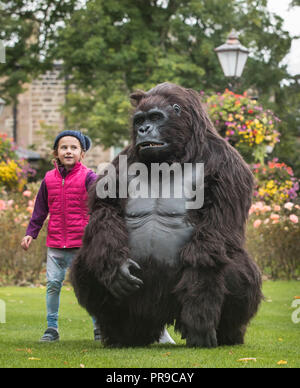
(69, 151)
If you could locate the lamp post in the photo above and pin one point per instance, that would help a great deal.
(233, 57)
(2, 104)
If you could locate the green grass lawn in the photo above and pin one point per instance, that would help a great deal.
(271, 337)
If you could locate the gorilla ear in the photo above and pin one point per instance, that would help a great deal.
(136, 97)
(177, 109)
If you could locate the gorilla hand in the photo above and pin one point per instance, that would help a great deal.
(125, 283)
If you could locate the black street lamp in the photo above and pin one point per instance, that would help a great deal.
(232, 56)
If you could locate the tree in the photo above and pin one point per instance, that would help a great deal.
(288, 102)
(110, 48)
(29, 30)
(295, 3)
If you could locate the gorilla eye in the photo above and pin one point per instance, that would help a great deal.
(155, 116)
(177, 108)
(139, 120)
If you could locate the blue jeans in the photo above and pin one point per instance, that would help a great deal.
(58, 262)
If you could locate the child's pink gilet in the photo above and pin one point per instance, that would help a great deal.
(67, 201)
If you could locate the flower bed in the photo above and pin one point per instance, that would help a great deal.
(13, 171)
(273, 238)
(275, 182)
(16, 265)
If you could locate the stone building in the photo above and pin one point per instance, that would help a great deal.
(37, 118)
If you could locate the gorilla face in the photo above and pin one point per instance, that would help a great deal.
(150, 129)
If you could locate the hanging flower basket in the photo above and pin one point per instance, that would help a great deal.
(244, 123)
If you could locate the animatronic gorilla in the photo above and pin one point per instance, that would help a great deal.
(147, 262)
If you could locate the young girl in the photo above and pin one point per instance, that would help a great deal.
(63, 194)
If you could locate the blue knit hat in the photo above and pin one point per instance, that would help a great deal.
(84, 140)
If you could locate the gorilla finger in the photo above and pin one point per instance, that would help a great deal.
(136, 281)
(125, 288)
(117, 291)
(128, 286)
(134, 264)
(114, 294)
(125, 274)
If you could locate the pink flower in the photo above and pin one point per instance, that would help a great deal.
(276, 208)
(2, 205)
(251, 210)
(257, 223)
(256, 207)
(274, 217)
(10, 202)
(29, 209)
(288, 205)
(294, 218)
(27, 193)
(267, 208)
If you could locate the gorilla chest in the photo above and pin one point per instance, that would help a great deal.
(157, 228)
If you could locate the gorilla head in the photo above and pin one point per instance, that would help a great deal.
(169, 124)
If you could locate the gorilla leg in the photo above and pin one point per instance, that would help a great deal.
(243, 296)
(201, 294)
(129, 331)
(216, 306)
(139, 319)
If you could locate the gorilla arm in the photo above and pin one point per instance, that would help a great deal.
(104, 255)
(219, 231)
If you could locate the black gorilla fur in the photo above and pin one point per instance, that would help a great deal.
(215, 288)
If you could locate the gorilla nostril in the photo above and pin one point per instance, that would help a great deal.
(144, 130)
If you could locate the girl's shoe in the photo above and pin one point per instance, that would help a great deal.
(50, 335)
(97, 335)
(165, 338)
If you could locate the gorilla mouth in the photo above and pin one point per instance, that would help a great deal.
(148, 144)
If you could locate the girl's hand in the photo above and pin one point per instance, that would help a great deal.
(25, 243)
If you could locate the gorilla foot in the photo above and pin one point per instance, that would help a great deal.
(207, 339)
(229, 336)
